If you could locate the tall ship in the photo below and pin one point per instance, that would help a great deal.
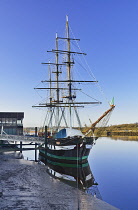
(66, 138)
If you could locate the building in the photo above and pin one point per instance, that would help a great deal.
(12, 122)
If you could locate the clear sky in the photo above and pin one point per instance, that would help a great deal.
(108, 30)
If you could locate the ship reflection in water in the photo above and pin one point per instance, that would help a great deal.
(75, 175)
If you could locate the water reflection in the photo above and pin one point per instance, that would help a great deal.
(125, 138)
(76, 175)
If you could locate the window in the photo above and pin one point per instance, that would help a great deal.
(19, 122)
(3, 120)
(14, 121)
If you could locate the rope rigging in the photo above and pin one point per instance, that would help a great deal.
(90, 72)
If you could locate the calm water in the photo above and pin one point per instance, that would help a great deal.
(29, 155)
(114, 164)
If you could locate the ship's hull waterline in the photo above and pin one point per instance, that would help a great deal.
(67, 151)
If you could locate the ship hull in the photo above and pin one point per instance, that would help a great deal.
(67, 150)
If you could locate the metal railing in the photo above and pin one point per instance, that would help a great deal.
(7, 137)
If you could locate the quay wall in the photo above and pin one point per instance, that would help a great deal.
(26, 185)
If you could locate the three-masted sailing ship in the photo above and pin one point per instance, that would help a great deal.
(64, 142)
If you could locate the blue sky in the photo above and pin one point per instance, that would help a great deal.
(108, 30)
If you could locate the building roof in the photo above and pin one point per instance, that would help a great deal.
(18, 115)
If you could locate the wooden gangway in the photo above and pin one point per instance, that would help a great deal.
(20, 143)
(6, 137)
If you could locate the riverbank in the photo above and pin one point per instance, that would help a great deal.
(26, 185)
(111, 131)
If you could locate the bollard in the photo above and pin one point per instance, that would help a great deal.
(20, 146)
(35, 131)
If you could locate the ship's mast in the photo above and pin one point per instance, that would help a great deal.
(50, 87)
(70, 103)
(57, 76)
(69, 71)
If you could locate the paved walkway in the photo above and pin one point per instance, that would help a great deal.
(25, 185)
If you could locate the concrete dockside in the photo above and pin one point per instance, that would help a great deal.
(26, 185)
